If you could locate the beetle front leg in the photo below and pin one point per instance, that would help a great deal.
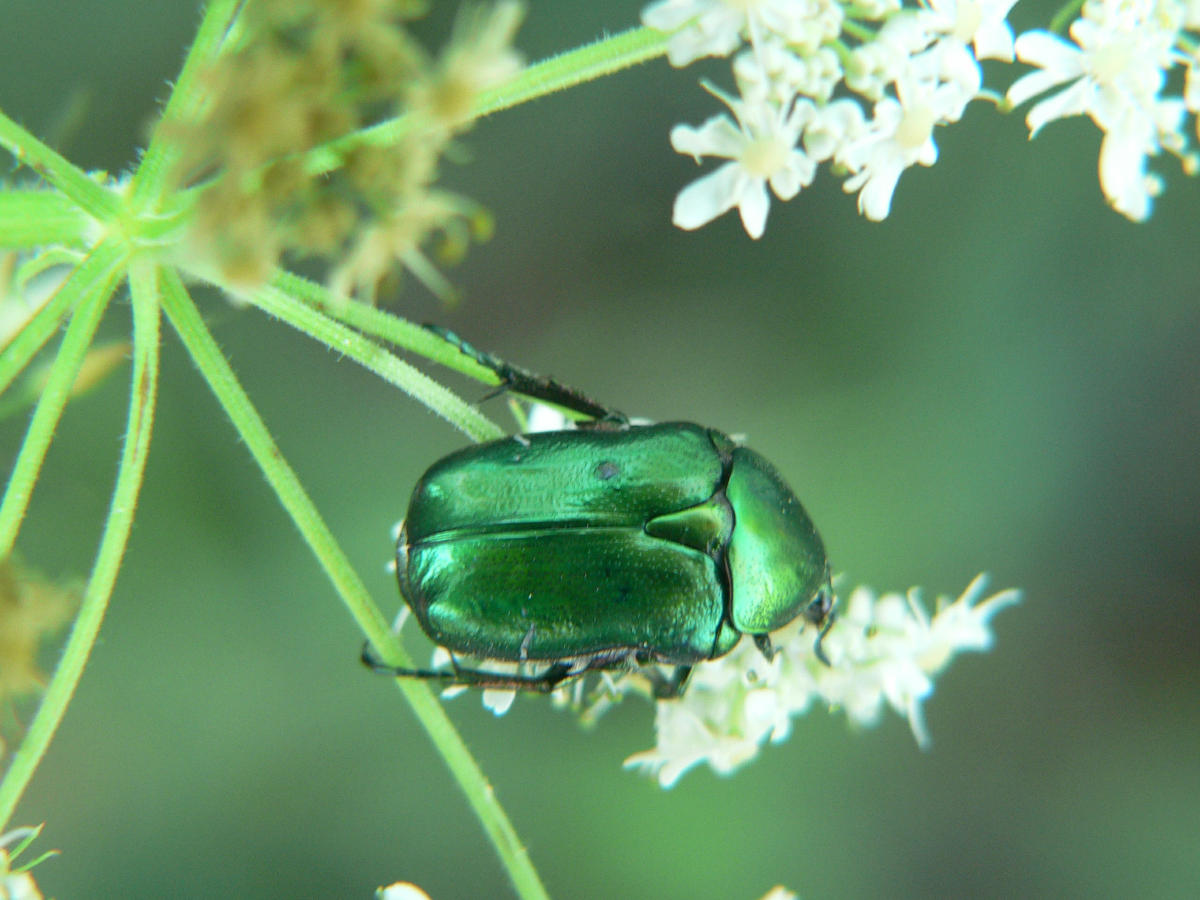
(764, 645)
(665, 688)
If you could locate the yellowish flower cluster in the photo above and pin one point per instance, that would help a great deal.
(319, 74)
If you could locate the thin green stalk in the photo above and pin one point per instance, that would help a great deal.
(186, 320)
(574, 67)
(216, 370)
(384, 325)
(92, 285)
(98, 267)
(591, 61)
(1058, 24)
(112, 543)
(37, 218)
(163, 152)
(367, 353)
(89, 194)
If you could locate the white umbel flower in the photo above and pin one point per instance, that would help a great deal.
(882, 651)
(981, 23)
(1114, 73)
(900, 135)
(718, 27)
(762, 149)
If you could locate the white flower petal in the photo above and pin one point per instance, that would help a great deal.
(995, 41)
(1072, 101)
(708, 197)
(1123, 172)
(753, 205)
(718, 136)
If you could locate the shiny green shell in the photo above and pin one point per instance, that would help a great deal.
(664, 543)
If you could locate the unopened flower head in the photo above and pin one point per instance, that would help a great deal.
(401, 890)
(305, 76)
(32, 607)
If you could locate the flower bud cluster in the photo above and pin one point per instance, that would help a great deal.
(307, 74)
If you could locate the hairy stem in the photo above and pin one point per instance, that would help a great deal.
(164, 151)
(90, 195)
(112, 542)
(216, 370)
(586, 63)
(89, 289)
(279, 302)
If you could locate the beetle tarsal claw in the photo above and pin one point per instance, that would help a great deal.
(526, 642)
(818, 650)
(763, 643)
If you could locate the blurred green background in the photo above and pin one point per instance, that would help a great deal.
(1004, 376)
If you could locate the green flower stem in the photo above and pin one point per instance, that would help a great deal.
(88, 290)
(88, 194)
(858, 30)
(1069, 11)
(39, 329)
(384, 325)
(216, 370)
(300, 315)
(574, 67)
(116, 528)
(587, 63)
(36, 218)
(150, 180)
(185, 318)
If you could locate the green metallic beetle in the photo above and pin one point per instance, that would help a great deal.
(611, 546)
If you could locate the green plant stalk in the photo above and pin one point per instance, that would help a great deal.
(604, 56)
(216, 370)
(93, 286)
(88, 194)
(383, 325)
(113, 540)
(1058, 24)
(149, 182)
(377, 359)
(586, 63)
(37, 218)
(101, 266)
(391, 328)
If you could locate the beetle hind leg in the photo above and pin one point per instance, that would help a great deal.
(536, 387)
(544, 682)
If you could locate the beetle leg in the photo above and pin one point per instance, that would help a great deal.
(818, 650)
(536, 387)
(668, 688)
(526, 642)
(764, 645)
(544, 683)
